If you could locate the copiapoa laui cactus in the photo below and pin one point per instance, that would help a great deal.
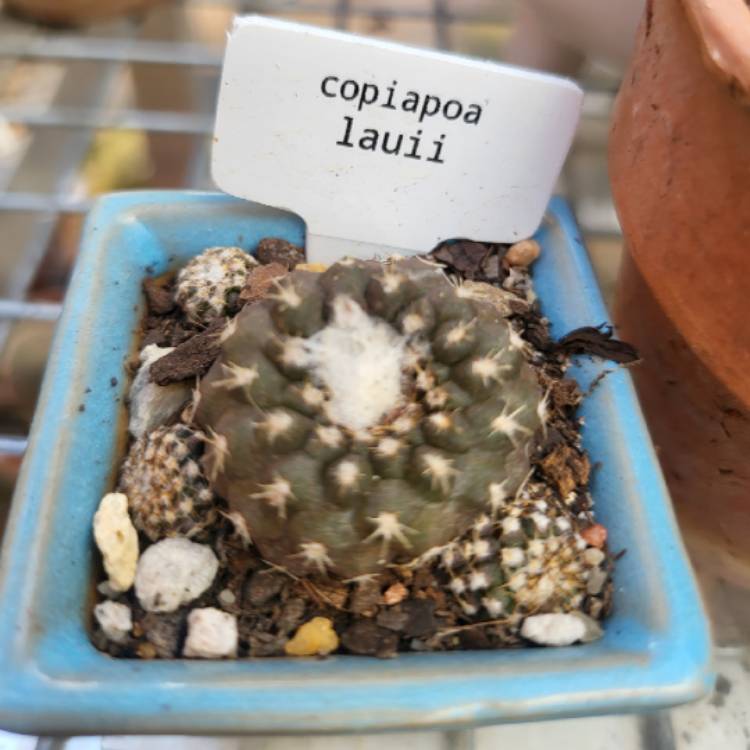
(366, 415)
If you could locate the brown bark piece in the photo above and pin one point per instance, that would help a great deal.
(190, 359)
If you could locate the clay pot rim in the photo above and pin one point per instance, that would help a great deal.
(723, 30)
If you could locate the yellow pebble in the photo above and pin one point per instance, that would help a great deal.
(312, 267)
(314, 637)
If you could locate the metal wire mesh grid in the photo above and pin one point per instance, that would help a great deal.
(175, 46)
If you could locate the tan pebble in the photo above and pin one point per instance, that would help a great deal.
(311, 267)
(315, 637)
(595, 535)
(117, 540)
(523, 253)
(395, 594)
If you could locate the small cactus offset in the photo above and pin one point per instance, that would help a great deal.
(168, 494)
(526, 556)
(209, 285)
(366, 415)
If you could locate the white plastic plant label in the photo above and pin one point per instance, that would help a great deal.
(381, 147)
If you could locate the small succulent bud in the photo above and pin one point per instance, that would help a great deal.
(168, 493)
(208, 287)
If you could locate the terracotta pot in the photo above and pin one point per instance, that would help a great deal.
(680, 169)
(74, 12)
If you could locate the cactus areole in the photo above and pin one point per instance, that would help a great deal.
(366, 416)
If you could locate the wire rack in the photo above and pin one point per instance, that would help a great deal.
(155, 77)
(83, 74)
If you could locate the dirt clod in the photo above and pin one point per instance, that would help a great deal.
(566, 467)
(421, 618)
(159, 296)
(264, 586)
(292, 614)
(366, 598)
(392, 619)
(275, 250)
(164, 632)
(368, 639)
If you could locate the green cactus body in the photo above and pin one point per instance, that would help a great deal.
(366, 415)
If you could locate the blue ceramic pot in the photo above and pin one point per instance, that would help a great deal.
(655, 651)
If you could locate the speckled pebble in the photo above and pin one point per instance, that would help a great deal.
(212, 634)
(173, 572)
(117, 540)
(114, 619)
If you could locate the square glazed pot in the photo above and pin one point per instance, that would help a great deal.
(656, 647)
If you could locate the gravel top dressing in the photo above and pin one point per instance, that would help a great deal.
(368, 458)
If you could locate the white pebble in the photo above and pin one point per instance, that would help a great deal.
(117, 540)
(561, 629)
(114, 619)
(173, 572)
(557, 629)
(212, 634)
(227, 597)
(151, 405)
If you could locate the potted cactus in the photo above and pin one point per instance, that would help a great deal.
(358, 510)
